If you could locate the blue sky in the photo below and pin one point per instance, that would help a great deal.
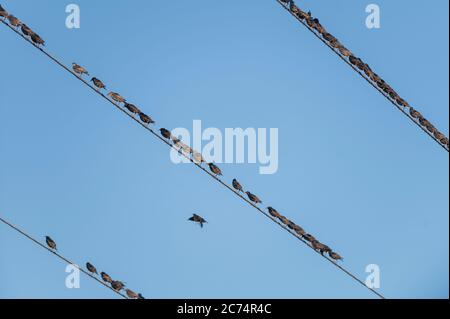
(352, 170)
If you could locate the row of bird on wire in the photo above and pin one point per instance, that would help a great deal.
(195, 156)
(315, 25)
(15, 22)
(115, 284)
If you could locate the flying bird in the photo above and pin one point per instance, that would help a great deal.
(117, 285)
(132, 108)
(131, 294)
(79, 69)
(116, 97)
(106, 277)
(237, 186)
(91, 268)
(145, 118)
(50, 242)
(165, 133)
(99, 84)
(215, 169)
(197, 219)
(253, 198)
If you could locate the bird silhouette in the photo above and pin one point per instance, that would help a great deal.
(91, 268)
(215, 169)
(197, 219)
(98, 84)
(145, 118)
(237, 186)
(79, 69)
(14, 21)
(50, 242)
(165, 133)
(106, 277)
(131, 294)
(37, 40)
(335, 256)
(253, 198)
(117, 285)
(116, 97)
(132, 108)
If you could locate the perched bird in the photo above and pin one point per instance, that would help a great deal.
(299, 230)
(37, 39)
(165, 133)
(140, 296)
(253, 198)
(325, 249)
(145, 118)
(308, 237)
(117, 285)
(237, 186)
(198, 219)
(290, 224)
(116, 97)
(316, 245)
(197, 157)
(215, 169)
(335, 256)
(132, 108)
(3, 13)
(14, 21)
(50, 242)
(131, 294)
(99, 84)
(79, 69)
(26, 30)
(91, 268)
(273, 212)
(106, 277)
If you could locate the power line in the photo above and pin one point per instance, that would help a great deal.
(229, 187)
(59, 256)
(362, 74)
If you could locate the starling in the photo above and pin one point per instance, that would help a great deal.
(273, 212)
(145, 118)
(299, 230)
(26, 30)
(198, 219)
(91, 268)
(131, 294)
(79, 69)
(14, 21)
(316, 245)
(50, 242)
(215, 169)
(325, 249)
(140, 296)
(132, 108)
(290, 224)
(99, 84)
(106, 277)
(116, 97)
(165, 133)
(237, 186)
(253, 198)
(308, 237)
(3, 13)
(198, 158)
(37, 39)
(335, 256)
(117, 285)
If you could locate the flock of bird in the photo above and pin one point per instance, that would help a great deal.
(194, 155)
(115, 284)
(315, 25)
